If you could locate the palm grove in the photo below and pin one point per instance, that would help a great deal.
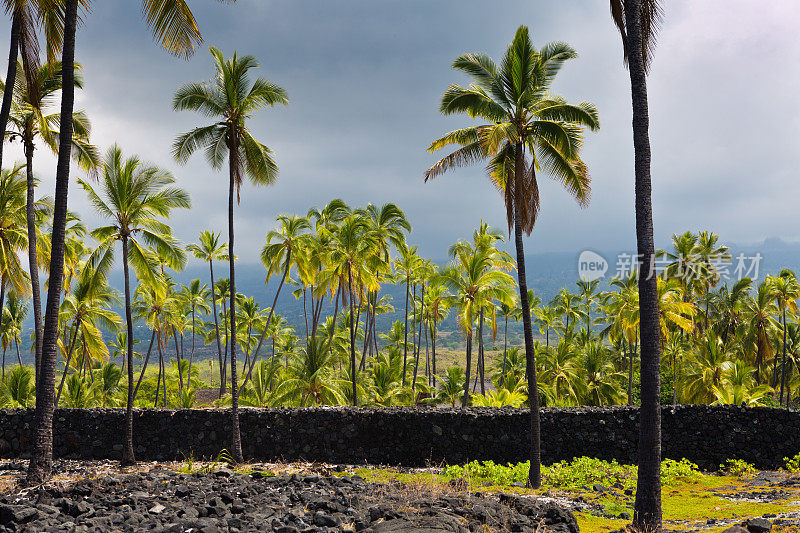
(711, 341)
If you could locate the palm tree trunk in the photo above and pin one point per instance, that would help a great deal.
(41, 462)
(216, 327)
(269, 318)
(11, 74)
(191, 355)
(236, 436)
(433, 352)
(419, 340)
(67, 360)
(534, 474)
(19, 356)
(783, 360)
(505, 353)
(352, 337)
(647, 507)
(405, 331)
(305, 310)
(33, 261)
(630, 376)
(226, 332)
(144, 365)
(2, 303)
(128, 455)
(465, 398)
(481, 352)
(178, 357)
(158, 379)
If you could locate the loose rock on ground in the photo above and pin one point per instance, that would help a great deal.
(226, 501)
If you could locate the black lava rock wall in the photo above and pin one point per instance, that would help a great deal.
(705, 435)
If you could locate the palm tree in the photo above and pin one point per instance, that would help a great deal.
(173, 24)
(209, 249)
(475, 283)
(406, 264)
(637, 21)
(13, 237)
(350, 249)
(24, 41)
(786, 291)
(232, 99)
(450, 388)
(523, 117)
(136, 197)
(31, 119)
(280, 255)
(589, 296)
(87, 307)
(195, 297)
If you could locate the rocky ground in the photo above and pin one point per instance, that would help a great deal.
(100, 497)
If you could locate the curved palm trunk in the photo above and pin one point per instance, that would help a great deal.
(128, 456)
(191, 355)
(465, 397)
(783, 361)
(2, 302)
(144, 365)
(352, 338)
(67, 360)
(11, 74)
(178, 357)
(33, 261)
(534, 474)
(481, 356)
(269, 318)
(631, 354)
(405, 332)
(433, 354)
(419, 341)
(505, 353)
(41, 463)
(647, 508)
(236, 436)
(216, 328)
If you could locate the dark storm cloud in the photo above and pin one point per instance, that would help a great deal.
(365, 78)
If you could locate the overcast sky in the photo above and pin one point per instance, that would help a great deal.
(365, 78)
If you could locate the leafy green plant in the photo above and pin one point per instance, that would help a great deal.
(677, 472)
(737, 467)
(793, 464)
(579, 473)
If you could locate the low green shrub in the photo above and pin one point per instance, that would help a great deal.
(676, 472)
(737, 467)
(581, 472)
(793, 464)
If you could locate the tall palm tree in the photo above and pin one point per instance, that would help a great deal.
(351, 246)
(25, 14)
(279, 254)
(786, 291)
(13, 237)
(87, 307)
(208, 249)
(174, 26)
(476, 283)
(637, 21)
(136, 196)
(406, 264)
(195, 297)
(524, 120)
(31, 119)
(233, 99)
